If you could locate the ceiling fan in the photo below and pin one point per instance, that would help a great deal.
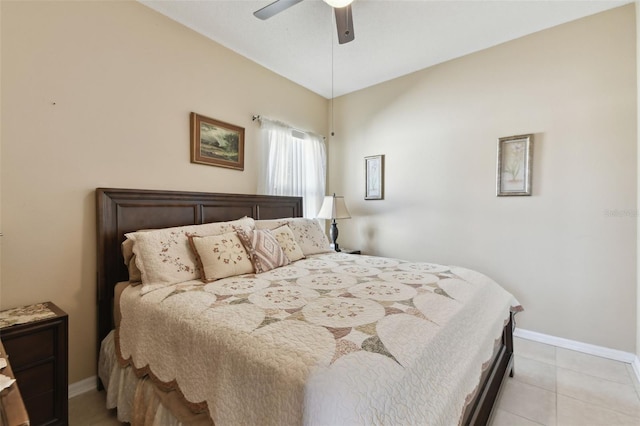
(342, 9)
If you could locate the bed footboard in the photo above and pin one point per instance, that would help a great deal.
(480, 410)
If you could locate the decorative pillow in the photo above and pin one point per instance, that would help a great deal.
(164, 256)
(308, 233)
(127, 250)
(287, 241)
(310, 236)
(264, 250)
(220, 256)
(135, 276)
(271, 223)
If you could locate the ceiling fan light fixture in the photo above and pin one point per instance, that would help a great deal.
(338, 3)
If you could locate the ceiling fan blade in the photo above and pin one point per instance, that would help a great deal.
(344, 22)
(274, 8)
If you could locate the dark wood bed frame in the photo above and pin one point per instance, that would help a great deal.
(119, 211)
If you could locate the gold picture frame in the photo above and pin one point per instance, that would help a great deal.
(216, 143)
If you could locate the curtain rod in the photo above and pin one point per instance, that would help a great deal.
(258, 117)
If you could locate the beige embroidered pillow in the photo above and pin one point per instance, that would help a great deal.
(271, 223)
(264, 250)
(164, 256)
(221, 256)
(309, 234)
(287, 241)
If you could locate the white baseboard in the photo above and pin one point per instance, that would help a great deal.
(636, 367)
(586, 348)
(83, 386)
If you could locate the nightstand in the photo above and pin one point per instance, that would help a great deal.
(350, 251)
(36, 340)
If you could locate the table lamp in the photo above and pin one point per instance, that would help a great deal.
(333, 207)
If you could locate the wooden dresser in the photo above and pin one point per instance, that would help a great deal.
(37, 352)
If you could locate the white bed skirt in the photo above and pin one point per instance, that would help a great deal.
(138, 401)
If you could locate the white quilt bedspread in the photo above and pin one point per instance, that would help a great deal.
(334, 339)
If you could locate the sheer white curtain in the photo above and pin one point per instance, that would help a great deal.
(294, 163)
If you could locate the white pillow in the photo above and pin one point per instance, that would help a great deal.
(164, 256)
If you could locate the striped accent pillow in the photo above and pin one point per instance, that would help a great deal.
(263, 248)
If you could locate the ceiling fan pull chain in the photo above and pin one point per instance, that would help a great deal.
(332, 96)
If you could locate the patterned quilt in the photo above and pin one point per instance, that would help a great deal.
(331, 339)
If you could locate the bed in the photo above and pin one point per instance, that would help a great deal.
(309, 386)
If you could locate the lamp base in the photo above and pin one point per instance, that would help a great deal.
(333, 233)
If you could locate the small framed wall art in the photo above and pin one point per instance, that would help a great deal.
(216, 143)
(515, 157)
(374, 177)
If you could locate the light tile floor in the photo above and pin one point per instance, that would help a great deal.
(89, 409)
(559, 387)
(552, 387)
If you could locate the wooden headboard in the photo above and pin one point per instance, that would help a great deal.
(119, 211)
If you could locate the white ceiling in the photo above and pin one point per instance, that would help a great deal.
(392, 37)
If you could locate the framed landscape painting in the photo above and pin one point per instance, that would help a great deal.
(216, 143)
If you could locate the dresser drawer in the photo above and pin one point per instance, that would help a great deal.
(36, 380)
(29, 348)
(42, 409)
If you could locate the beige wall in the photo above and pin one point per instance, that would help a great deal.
(571, 265)
(99, 95)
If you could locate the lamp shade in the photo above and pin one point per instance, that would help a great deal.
(338, 3)
(333, 207)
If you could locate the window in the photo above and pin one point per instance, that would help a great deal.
(294, 163)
